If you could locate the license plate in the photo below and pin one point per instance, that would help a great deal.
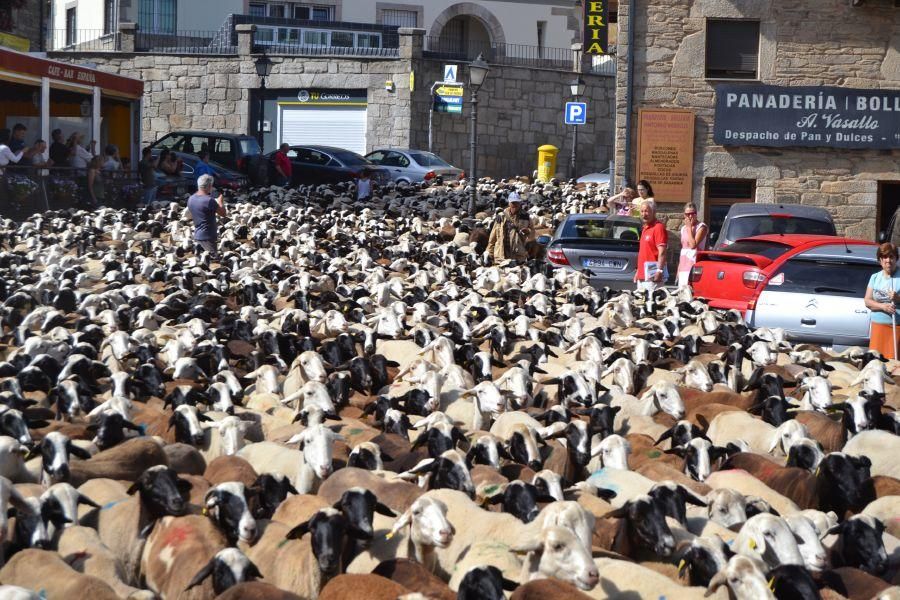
(603, 263)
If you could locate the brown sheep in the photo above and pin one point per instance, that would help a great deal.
(548, 589)
(47, 571)
(825, 430)
(256, 590)
(694, 399)
(796, 484)
(415, 577)
(294, 510)
(703, 415)
(885, 486)
(397, 495)
(371, 587)
(125, 462)
(230, 468)
(185, 459)
(853, 583)
(177, 548)
(644, 450)
(660, 471)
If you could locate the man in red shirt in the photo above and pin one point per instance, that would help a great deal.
(651, 264)
(282, 166)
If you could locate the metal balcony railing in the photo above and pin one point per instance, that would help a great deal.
(83, 40)
(501, 54)
(186, 42)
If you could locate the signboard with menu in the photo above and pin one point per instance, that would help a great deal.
(666, 152)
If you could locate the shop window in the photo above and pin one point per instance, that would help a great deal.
(157, 16)
(400, 18)
(732, 49)
(720, 195)
(70, 26)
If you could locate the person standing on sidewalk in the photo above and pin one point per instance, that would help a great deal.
(283, 168)
(147, 170)
(59, 152)
(693, 239)
(651, 264)
(203, 211)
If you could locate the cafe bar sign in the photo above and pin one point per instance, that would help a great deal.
(830, 117)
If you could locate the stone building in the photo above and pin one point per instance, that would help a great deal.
(22, 24)
(792, 102)
(364, 100)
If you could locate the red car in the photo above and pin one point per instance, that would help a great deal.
(734, 276)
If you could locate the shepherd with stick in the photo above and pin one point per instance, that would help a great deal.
(882, 299)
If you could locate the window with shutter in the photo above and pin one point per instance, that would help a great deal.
(732, 49)
(400, 18)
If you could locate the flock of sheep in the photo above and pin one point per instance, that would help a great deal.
(352, 402)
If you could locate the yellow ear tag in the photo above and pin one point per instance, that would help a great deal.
(204, 511)
(389, 535)
(752, 544)
(772, 584)
(681, 565)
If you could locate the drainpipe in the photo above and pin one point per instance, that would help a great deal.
(629, 84)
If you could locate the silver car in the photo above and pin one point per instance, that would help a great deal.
(413, 166)
(603, 247)
(817, 296)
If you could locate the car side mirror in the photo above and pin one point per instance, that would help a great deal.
(882, 237)
(713, 237)
(543, 240)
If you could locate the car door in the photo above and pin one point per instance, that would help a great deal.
(817, 299)
(400, 167)
(222, 151)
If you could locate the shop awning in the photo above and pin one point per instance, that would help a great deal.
(19, 65)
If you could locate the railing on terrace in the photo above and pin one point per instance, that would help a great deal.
(276, 35)
(501, 54)
(83, 40)
(28, 190)
(604, 64)
(186, 42)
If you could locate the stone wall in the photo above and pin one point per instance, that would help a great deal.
(519, 109)
(801, 43)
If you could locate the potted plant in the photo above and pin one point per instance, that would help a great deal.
(20, 188)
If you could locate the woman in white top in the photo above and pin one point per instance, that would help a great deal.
(693, 239)
(80, 157)
(6, 154)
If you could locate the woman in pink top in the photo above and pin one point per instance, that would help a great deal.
(693, 239)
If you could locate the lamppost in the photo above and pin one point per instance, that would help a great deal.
(577, 87)
(263, 69)
(478, 70)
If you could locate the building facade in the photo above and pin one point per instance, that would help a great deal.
(22, 24)
(786, 102)
(365, 98)
(535, 23)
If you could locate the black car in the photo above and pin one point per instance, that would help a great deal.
(236, 152)
(326, 164)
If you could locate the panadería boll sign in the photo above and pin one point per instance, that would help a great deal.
(832, 117)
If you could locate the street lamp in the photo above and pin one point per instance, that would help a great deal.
(577, 87)
(263, 69)
(478, 70)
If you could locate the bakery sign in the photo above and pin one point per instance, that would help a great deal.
(831, 117)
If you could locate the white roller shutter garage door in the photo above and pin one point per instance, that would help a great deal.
(343, 127)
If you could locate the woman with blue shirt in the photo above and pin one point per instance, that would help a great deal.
(882, 298)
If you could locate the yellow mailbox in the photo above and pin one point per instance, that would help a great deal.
(547, 162)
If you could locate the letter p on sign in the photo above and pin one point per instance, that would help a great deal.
(576, 113)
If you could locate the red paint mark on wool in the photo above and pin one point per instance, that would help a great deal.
(176, 535)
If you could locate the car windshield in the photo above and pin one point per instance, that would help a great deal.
(249, 146)
(427, 159)
(602, 229)
(770, 250)
(350, 159)
(829, 277)
(741, 227)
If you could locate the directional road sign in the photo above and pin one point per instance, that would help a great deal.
(449, 90)
(576, 113)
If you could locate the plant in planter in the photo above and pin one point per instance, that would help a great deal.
(64, 192)
(20, 188)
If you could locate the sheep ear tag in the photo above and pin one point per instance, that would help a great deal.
(772, 584)
(752, 544)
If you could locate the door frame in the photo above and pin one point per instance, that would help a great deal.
(879, 226)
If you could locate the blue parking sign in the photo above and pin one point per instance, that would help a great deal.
(576, 113)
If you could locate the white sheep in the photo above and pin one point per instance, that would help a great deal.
(881, 447)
